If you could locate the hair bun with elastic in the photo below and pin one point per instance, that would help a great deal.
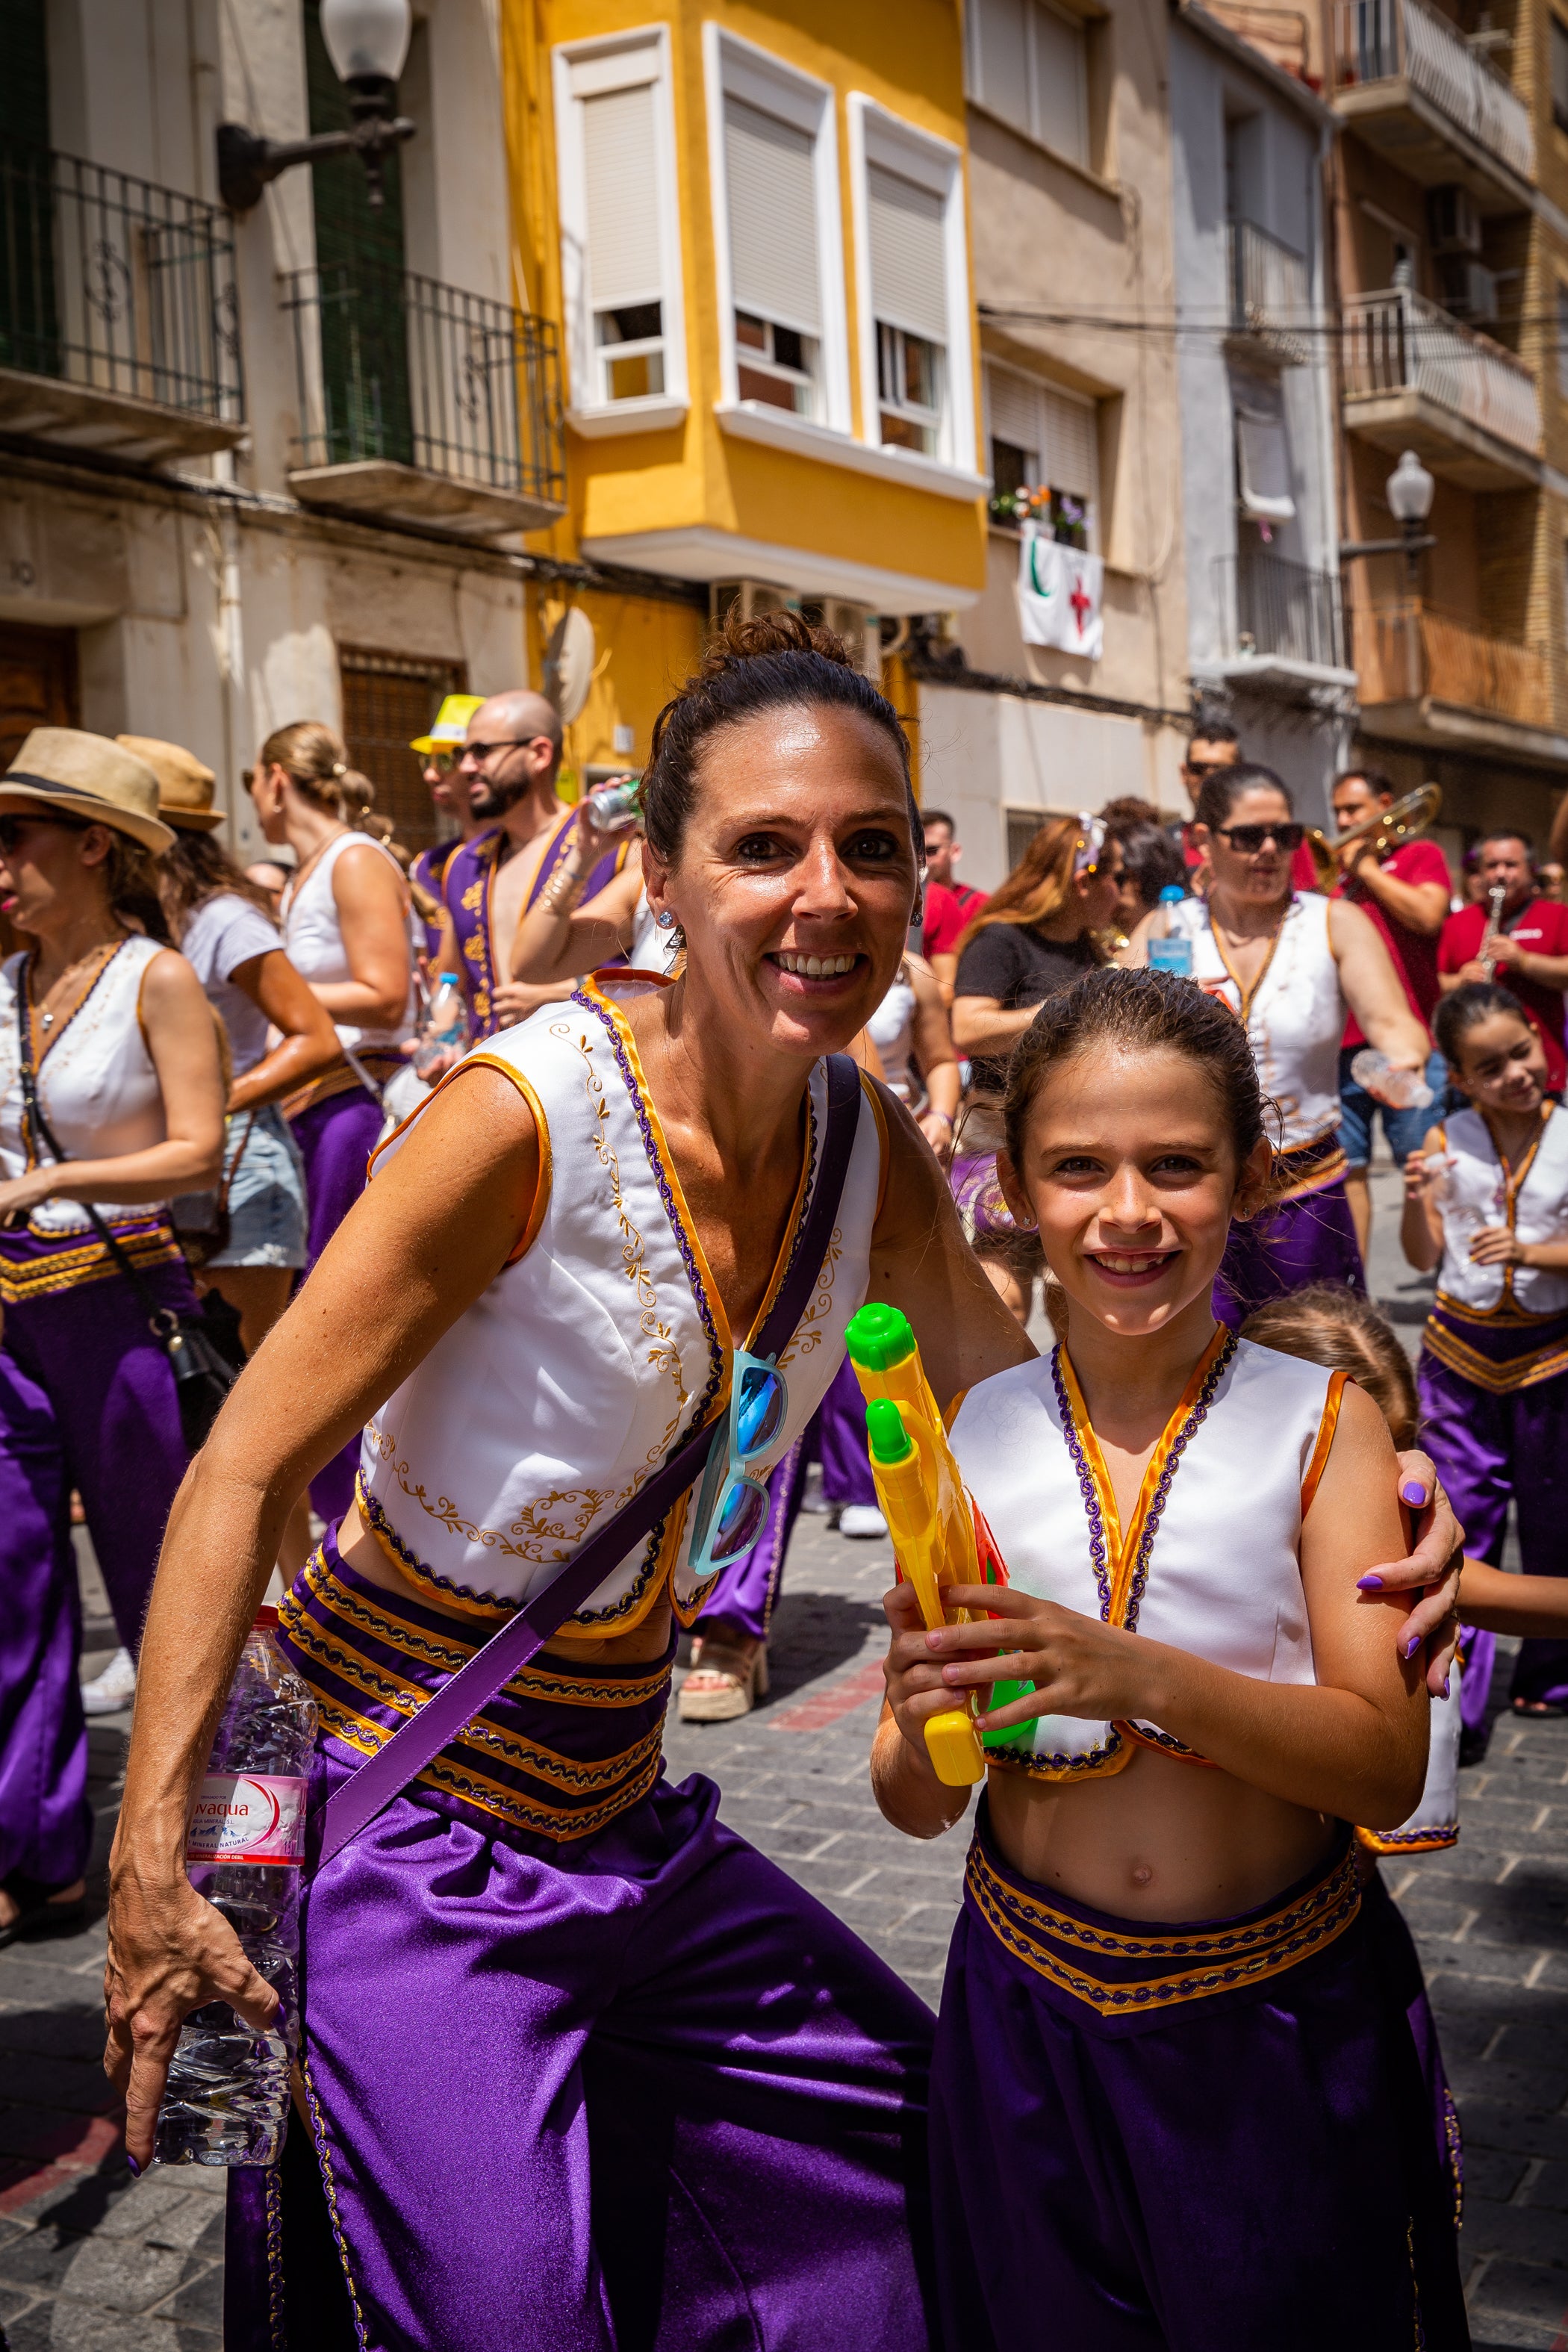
(771, 633)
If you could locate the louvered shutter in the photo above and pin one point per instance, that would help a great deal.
(620, 170)
(1070, 455)
(1016, 414)
(773, 217)
(909, 261)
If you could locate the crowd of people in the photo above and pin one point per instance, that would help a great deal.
(719, 1078)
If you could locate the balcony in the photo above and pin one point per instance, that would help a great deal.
(1270, 299)
(1416, 379)
(118, 318)
(1278, 613)
(1413, 87)
(420, 404)
(1432, 679)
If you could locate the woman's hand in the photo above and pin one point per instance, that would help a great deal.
(937, 1129)
(1495, 1245)
(513, 1000)
(169, 1951)
(1421, 1172)
(1432, 1572)
(25, 1192)
(1077, 1665)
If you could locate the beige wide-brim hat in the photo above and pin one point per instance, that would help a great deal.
(184, 786)
(64, 772)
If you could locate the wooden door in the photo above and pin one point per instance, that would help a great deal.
(37, 683)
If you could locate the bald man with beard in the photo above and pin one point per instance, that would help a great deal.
(510, 764)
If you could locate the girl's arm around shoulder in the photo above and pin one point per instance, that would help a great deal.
(1535, 1607)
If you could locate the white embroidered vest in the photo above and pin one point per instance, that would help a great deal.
(1211, 1562)
(1534, 1205)
(97, 1085)
(1295, 1014)
(545, 1406)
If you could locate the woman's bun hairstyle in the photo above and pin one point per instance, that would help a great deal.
(776, 661)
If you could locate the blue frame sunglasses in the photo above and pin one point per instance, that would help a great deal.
(732, 1500)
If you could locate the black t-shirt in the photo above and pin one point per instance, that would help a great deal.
(1011, 963)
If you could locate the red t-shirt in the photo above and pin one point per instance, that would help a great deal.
(1303, 871)
(1540, 925)
(1414, 957)
(951, 907)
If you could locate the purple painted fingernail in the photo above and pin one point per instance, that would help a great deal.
(1444, 1687)
(1369, 1584)
(1411, 1646)
(131, 2161)
(1412, 1492)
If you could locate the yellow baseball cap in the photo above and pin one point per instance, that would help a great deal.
(451, 726)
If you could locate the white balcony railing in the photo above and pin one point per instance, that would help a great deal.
(1271, 297)
(1398, 341)
(1393, 40)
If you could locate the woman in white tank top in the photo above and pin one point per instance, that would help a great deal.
(345, 916)
(123, 1055)
(1288, 963)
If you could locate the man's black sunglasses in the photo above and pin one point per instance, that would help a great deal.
(1248, 839)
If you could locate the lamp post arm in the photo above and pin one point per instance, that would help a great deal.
(247, 162)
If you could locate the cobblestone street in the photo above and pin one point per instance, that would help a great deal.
(93, 2262)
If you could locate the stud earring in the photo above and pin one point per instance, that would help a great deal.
(665, 920)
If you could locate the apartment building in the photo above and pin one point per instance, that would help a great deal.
(1450, 193)
(753, 229)
(1067, 684)
(1249, 141)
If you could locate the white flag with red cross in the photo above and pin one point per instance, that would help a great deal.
(1059, 591)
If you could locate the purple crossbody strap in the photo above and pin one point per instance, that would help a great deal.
(438, 1722)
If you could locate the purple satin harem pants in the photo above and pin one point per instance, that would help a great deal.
(1490, 1450)
(1269, 2166)
(87, 1400)
(1311, 1238)
(634, 2088)
(336, 1138)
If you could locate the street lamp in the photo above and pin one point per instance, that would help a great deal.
(367, 41)
(1409, 490)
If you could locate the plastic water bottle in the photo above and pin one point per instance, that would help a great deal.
(1170, 950)
(227, 2101)
(1400, 1089)
(446, 1030)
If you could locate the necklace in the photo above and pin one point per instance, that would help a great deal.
(89, 965)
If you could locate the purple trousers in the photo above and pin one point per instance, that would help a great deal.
(1161, 2163)
(629, 2088)
(46, 1827)
(746, 1595)
(336, 1138)
(1310, 1239)
(1490, 1450)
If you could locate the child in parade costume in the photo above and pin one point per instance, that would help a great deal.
(1487, 1203)
(1177, 2098)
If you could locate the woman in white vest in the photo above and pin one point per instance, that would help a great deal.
(582, 2067)
(110, 1030)
(1289, 964)
(345, 916)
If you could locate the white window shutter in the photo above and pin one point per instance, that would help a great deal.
(620, 171)
(1015, 413)
(1071, 453)
(770, 166)
(1061, 109)
(1000, 49)
(1263, 467)
(909, 262)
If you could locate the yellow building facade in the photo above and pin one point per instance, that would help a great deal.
(752, 229)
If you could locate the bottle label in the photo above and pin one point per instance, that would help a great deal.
(248, 1816)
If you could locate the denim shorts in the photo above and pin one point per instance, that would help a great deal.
(1403, 1129)
(265, 1194)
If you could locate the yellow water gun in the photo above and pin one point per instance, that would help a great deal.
(922, 1498)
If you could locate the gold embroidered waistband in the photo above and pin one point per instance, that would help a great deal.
(42, 1273)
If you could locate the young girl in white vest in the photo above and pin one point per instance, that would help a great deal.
(1178, 2098)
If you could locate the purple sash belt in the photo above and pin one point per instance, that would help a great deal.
(1501, 1352)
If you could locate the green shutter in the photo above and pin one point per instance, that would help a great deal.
(359, 258)
(29, 319)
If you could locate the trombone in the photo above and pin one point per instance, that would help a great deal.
(1386, 829)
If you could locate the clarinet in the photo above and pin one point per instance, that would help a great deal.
(1495, 898)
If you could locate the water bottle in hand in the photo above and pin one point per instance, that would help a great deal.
(446, 1030)
(1400, 1089)
(1170, 950)
(227, 2100)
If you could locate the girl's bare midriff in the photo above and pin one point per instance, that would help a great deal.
(359, 1548)
(1161, 1840)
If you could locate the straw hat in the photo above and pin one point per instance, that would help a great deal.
(66, 773)
(450, 731)
(184, 786)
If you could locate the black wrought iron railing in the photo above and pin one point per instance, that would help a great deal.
(1271, 606)
(109, 282)
(392, 365)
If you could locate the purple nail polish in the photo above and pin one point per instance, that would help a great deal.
(1411, 1646)
(1412, 1493)
(1444, 1687)
(135, 2167)
(1369, 1584)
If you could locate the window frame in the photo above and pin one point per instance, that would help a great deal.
(737, 68)
(974, 81)
(648, 412)
(1040, 386)
(877, 136)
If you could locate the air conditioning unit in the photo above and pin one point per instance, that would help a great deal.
(1452, 220)
(1468, 288)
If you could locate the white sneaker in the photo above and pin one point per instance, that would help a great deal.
(861, 1519)
(111, 1691)
(813, 1499)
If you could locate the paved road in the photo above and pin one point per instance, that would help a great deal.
(89, 2259)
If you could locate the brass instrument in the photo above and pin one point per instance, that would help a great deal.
(1386, 829)
(1495, 898)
